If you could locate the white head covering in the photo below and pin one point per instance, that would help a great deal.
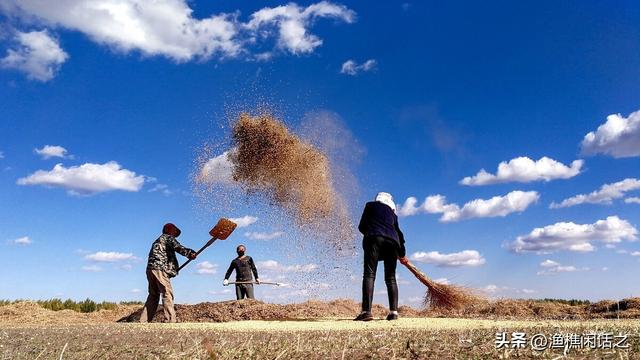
(386, 199)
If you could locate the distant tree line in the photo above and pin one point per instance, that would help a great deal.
(85, 306)
(572, 302)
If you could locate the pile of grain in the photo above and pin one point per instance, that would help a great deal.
(522, 309)
(257, 310)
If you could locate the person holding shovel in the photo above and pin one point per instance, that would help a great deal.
(161, 267)
(244, 267)
(382, 241)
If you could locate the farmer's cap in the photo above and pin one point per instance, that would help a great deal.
(386, 199)
(171, 229)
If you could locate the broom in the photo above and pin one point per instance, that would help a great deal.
(441, 295)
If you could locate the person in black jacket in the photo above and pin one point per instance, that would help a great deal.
(383, 241)
(244, 267)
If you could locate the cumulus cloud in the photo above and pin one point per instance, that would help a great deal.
(49, 151)
(632, 200)
(92, 268)
(606, 194)
(109, 256)
(618, 137)
(352, 68)
(524, 170)
(206, 268)
(168, 28)
(292, 23)
(244, 221)
(39, 55)
(21, 241)
(217, 170)
(263, 235)
(276, 266)
(444, 281)
(551, 267)
(161, 188)
(569, 236)
(87, 179)
(515, 201)
(462, 258)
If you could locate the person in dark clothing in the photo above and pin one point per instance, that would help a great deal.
(382, 241)
(245, 268)
(162, 265)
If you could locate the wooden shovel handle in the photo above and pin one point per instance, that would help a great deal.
(211, 241)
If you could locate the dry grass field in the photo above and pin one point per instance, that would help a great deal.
(53, 335)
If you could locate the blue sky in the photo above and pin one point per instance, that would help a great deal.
(126, 96)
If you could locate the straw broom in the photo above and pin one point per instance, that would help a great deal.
(441, 295)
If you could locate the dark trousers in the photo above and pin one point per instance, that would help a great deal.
(244, 291)
(378, 248)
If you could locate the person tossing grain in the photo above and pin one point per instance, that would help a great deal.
(161, 267)
(383, 241)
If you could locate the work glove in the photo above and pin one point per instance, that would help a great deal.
(225, 282)
(192, 256)
(258, 281)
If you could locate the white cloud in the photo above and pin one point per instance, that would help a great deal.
(92, 268)
(49, 151)
(22, 241)
(125, 267)
(618, 137)
(1, 155)
(244, 221)
(161, 188)
(606, 194)
(263, 236)
(39, 55)
(574, 237)
(217, 170)
(136, 291)
(553, 267)
(444, 281)
(168, 28)
(206, 268)
(515, 201)
(632, 200)
(493, 288)
(635, 253)
(292, 22)
(462, 258)
(352, 68)
(275, 266)
(549, 263)
(109, 256)
(87, 179)
(523, 169)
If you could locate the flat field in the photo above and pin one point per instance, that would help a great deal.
(407, 338)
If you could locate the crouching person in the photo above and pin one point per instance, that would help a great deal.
(161, 267)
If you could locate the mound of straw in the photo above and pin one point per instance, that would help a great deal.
(442, 296)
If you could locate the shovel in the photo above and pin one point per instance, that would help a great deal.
(221, 231)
